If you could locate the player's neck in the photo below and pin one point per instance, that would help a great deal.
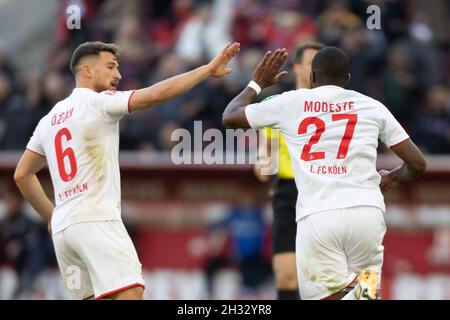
(301, 85)
(316, 85)
(84, 87)
(80, 83)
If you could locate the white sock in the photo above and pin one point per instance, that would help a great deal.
(351, 295)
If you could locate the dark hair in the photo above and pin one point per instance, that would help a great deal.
(91, 49)
(330, 64)
(298, 56)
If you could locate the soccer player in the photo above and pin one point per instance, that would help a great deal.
(284, 227)
(332, 136)
(79, 140)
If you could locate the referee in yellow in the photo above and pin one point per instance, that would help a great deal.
(284, 227)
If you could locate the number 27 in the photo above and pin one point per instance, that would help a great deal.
(307, 155)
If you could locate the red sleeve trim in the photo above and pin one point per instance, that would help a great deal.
(398, 143)
(35, 152)
(119, 290)
(328, 297)
(129, 100)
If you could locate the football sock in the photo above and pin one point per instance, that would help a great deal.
(288, 294)
(351, 295)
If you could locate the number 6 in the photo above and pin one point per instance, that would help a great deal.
(61, 154)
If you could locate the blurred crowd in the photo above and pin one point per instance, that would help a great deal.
(26, 249)
(405, 64)
(240, 240)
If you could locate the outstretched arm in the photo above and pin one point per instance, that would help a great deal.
(175, 86)
(265, 75)
(29, 186)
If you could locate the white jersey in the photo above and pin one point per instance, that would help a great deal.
(80, 139)
(332, 136)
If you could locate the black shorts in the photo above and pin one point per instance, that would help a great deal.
(284, 227)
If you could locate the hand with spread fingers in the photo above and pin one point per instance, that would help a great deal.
(218, 66)
(266, 73)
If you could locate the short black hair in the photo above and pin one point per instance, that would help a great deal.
(330, 64)
(91, 49)
(298, 56)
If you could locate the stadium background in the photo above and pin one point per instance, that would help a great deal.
(203, 231)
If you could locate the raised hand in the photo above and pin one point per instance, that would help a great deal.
(218, 66)
(266, 72)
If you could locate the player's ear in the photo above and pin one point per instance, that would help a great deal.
(86, 70)
(349, 76)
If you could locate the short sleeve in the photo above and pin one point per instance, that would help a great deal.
(392, 133)
(35, 143)
(267, 113)
(115, 104)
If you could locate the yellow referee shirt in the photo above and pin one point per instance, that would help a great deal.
(284, 162)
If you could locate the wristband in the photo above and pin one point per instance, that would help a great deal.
(252, 84)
